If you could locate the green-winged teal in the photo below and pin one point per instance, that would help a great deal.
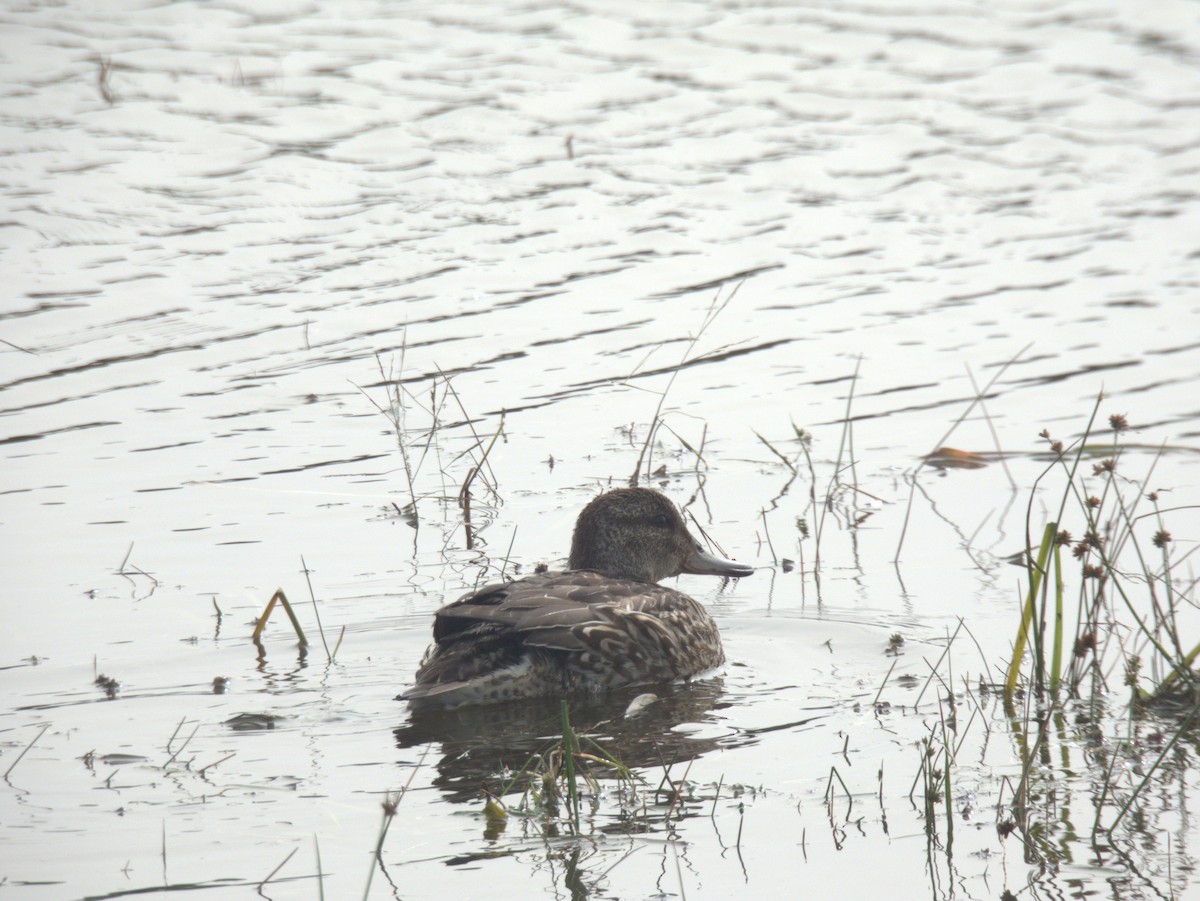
(603, 624)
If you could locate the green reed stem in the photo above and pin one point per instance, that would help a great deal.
(570, 747)
(1036, 571)
(1056, 659)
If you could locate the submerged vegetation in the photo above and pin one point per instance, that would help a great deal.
(1126, 596)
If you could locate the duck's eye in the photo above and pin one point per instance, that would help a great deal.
(661, 521)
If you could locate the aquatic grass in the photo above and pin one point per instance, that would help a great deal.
(645, 455)
(570, 747)
(475, 470)
(320, 868)
(1036, 572)
(883, 684)
(935, 777)
(841, 497)
(554, 773)
(390, 805)
(399, 403)
(804, 439)
(676, 787)
(939, 749)
(395, 411)
(424, 432)
(1111, 589)
(1125, 594)
(845, 452)
(317, 613)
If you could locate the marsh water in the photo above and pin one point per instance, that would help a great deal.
(283, 281)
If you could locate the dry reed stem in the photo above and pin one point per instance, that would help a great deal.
(317, 610)
(710, 315)
(13, 765)
(278, 596)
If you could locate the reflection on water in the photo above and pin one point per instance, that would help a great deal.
(477, 742)
(376, 298)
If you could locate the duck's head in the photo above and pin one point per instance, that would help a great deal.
(637, 533)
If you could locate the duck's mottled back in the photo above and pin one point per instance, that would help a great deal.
(602, 625)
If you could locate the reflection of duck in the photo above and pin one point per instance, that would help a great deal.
(477, 744)
(604, 624)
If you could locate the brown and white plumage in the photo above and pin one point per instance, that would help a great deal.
(601, 625)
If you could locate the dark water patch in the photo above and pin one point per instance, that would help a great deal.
(177, 444)
(323, 463)
(717, 283)
(105, 362)
(1091, 368)
(16, 439)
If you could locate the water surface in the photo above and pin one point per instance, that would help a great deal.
(233, 234)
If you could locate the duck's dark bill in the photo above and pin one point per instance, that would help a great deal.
(702, 563)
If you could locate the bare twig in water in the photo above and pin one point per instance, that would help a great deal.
(17, 347)
(464, 495)
(395, 414)
(494, 486)
(104, 69)
(883, 684)
(26, 751)
(128, 570)
(271, 875)
(845, 446)
(786, 462)
(316, 609)
(992, 428)
(186, 742)
(209, 766)
(767, 532)
(508, 555)
(390, 803)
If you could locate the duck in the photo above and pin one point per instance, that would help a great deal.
(603, 624)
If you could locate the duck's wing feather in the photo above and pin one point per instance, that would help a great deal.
(564, 627)
(558, 609)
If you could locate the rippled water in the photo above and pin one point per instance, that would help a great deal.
(233, 234)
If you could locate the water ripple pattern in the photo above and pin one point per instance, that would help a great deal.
(229, 230)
